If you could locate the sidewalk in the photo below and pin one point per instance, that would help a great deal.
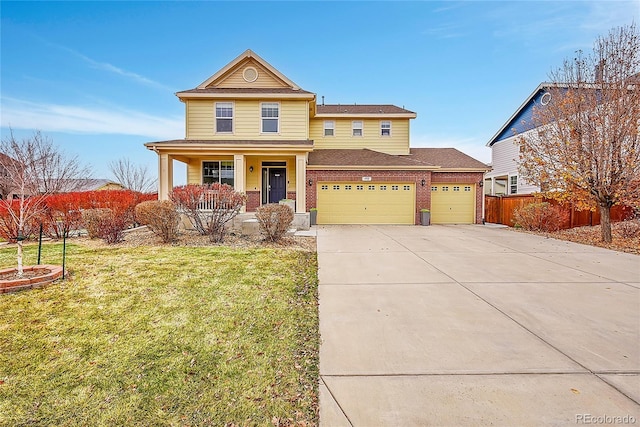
(473, 325)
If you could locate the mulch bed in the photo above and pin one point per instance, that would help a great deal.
(142, 236)
(624, 239)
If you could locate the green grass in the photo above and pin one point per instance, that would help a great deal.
(162, 336)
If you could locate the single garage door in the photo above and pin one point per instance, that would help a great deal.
(453, 203)
(366, 203)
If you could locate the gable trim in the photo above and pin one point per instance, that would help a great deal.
(248, 54)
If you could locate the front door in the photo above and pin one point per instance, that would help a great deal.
(274, 184)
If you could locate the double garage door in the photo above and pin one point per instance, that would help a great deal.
(366, 203)
(392, 203)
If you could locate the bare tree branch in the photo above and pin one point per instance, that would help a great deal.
(32, 169)
(586, 146)
(136, 178)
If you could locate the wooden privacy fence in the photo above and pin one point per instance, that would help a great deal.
(500, 210)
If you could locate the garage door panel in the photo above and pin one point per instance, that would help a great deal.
(371, 203)
(453, 203)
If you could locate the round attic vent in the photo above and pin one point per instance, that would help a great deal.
(250, 74)
(545, 98)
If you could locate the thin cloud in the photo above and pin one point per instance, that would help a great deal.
(105, 66)
(21, 114)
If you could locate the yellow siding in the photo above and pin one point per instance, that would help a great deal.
(397, 143)
(200, 119)
(252, 179)
(247, 121)
(236, 80)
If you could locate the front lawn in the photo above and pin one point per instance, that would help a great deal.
(162, 335)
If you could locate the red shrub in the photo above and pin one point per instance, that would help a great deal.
(8, 226)
(63, 213)
(209, 207)
(540, 217)
(105, 224)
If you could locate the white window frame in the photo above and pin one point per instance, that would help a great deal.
(513, 185)
(220, 171)
(215, 113)
(383, 129)
(329, 125)
(354, 128)
(263, 118)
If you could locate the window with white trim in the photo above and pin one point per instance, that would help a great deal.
(329, 128)
(224, 117)
(218, 172)
(513, 184)
(385, 128)
(356, 128)
(270, 114)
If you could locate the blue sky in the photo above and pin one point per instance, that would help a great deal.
(99, 77)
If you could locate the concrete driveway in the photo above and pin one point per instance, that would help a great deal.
(475, 325)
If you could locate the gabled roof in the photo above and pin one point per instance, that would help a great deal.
(355, 110)
(231, 81)
(521, 120)
(447, 158)
(243, 57)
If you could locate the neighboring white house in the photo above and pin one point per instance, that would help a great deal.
(503, 179)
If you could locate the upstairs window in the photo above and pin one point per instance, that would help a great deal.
(224, 117)
(356, 128)
(329, 128)
(385, 128)
(270, 113)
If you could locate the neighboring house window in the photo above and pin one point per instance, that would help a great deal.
(329, 128)
(385, 128)
(221, 172)
(356, 128)
(224, 117)
(513, 184)
(270, 117)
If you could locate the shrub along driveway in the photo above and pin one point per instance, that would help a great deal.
(474, 325)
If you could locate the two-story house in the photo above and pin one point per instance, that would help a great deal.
(251, 127)
(505, 150)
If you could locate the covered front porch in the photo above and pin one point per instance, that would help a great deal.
(266, 171)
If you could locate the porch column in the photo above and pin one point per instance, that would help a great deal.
(165, 176)
(301, 183)
(239, 174)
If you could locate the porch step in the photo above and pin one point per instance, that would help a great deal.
(250, 227)
(291, 232)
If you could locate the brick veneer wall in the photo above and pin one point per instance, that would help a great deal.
(253, 200)
(423, 193)
(464, 178)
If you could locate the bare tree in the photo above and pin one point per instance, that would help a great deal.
(33, 169)
(586, 148)
(131, 176)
